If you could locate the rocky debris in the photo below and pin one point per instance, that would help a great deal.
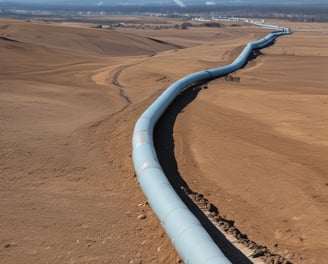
(228, 226)
(211, 208)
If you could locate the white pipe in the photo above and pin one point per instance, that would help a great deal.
(188, 236)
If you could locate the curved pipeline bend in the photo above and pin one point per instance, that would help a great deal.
(188, 236)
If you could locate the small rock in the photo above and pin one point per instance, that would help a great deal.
(221, 223)
(231, 230)
(199, 196)
(258, 253)
(251, 245)
(203, 201)
(142, 216)
(214, 213)
(11, 244)
(245, 242)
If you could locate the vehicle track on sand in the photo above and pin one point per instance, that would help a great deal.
(117, 83)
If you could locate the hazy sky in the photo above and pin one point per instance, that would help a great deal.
(178, 2)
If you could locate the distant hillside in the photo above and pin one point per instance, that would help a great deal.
(294, 10)
(157, 2)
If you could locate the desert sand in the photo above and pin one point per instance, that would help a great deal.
(70, 96)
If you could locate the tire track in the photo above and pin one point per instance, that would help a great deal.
(117, 83)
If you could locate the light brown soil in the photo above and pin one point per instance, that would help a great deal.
(67, 188)
(259, 147)
(68, 193)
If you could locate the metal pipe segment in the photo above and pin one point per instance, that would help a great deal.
(188, 236)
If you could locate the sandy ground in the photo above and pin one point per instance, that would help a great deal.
(68, 192)
(259, 147)
(70, 97)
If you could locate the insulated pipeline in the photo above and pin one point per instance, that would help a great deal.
(188, 236)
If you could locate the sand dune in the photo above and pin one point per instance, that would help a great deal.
(67, 186)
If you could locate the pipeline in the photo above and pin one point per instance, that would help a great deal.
(190, 239)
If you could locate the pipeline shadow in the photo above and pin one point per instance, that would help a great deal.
(164, 145)
(257, 53)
